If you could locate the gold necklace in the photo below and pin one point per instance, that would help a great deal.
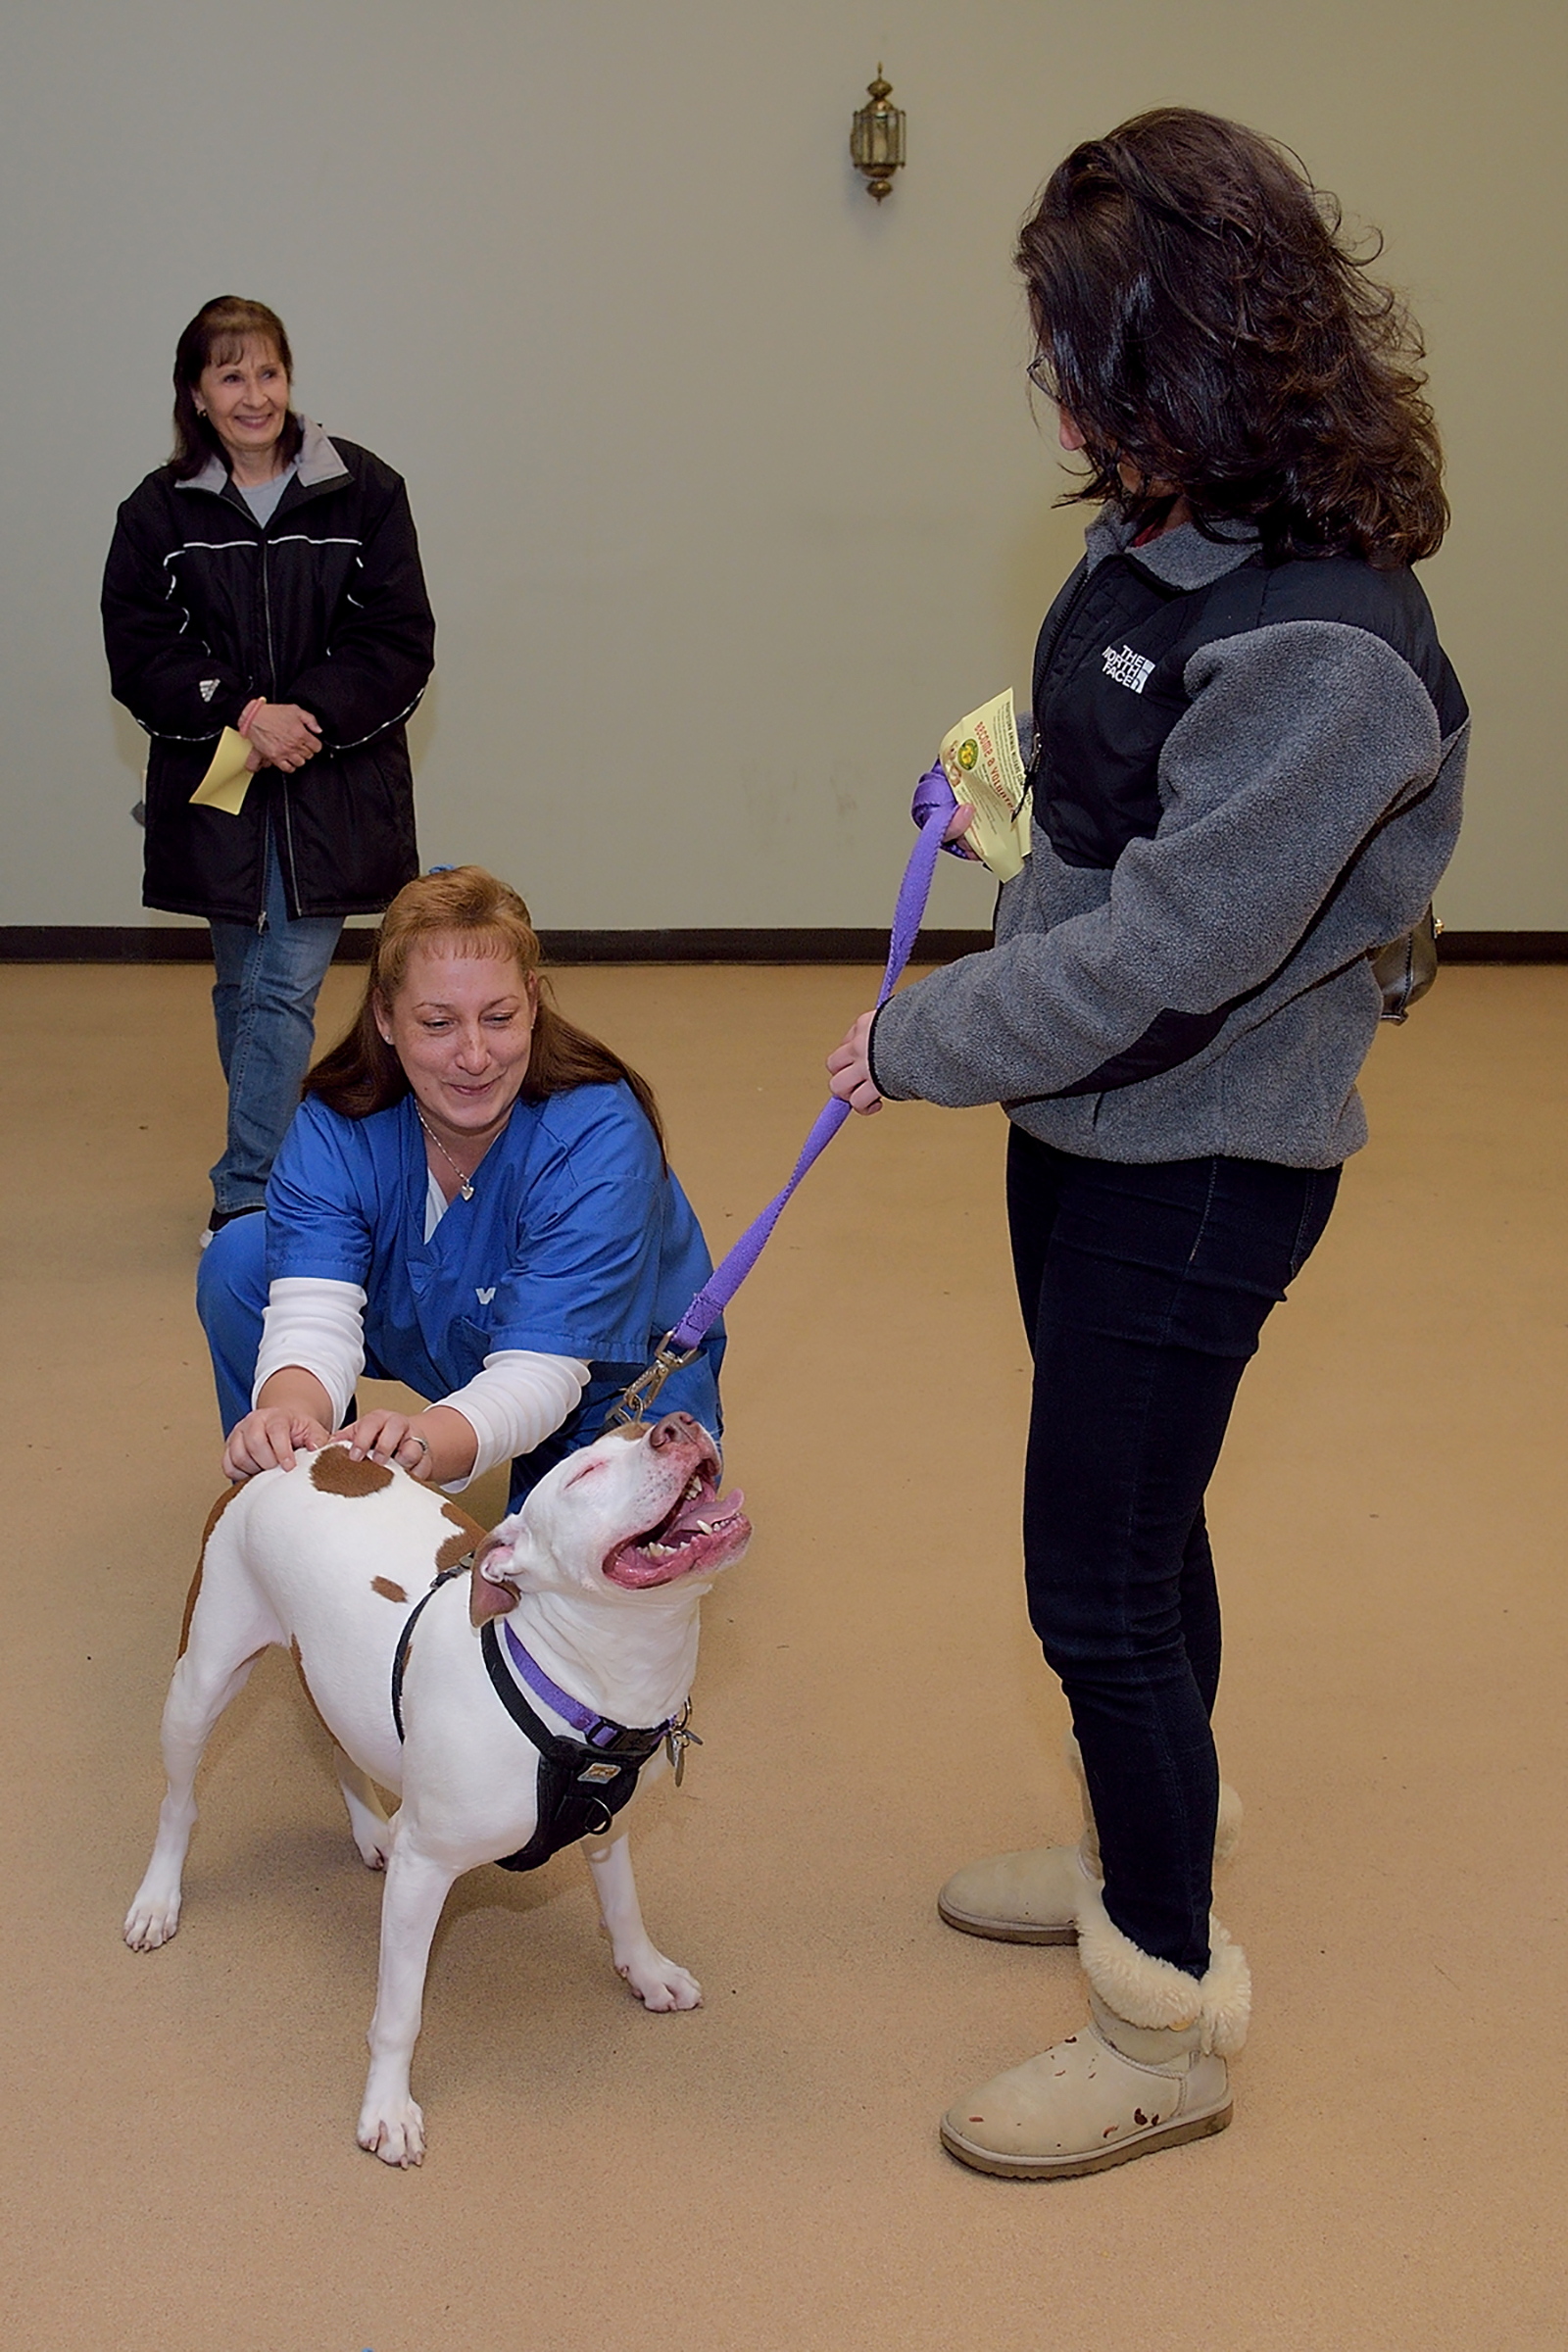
(465, 1180)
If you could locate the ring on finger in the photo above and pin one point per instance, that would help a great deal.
(414, 1438)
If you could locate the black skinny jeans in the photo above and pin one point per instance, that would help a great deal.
(1144, 1291)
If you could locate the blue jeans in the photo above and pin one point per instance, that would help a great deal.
(231, 1290)
(1144, 1291)
(264, 1001)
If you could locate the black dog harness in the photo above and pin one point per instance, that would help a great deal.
(583, 1784)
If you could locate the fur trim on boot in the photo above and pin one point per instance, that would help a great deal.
(1228, 1827)
(1148, 1992)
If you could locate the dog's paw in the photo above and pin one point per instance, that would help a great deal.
(373, 1832)
(151, 1920)
(661, 1984)
(393, 2131)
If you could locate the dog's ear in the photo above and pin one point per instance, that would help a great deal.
(491, 1592)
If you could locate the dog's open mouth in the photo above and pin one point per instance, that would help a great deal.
(701, 1530)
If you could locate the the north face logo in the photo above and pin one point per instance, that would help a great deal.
(208, 687)
(1127, 668)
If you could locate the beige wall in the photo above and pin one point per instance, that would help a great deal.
(719, 471)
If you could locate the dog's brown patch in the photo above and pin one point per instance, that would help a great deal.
(333, 1472)
(457, 1548)
(299, 1668)
(217, 1512)
(191, 1598)
(213, 1517)
(387, 1589)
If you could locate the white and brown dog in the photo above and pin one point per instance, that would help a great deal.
(578, 1617)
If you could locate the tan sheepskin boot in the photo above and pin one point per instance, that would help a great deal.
(1033, 1896)
(1146, 2073)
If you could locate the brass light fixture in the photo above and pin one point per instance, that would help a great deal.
(876, 138)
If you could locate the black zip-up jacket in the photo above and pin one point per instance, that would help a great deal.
(326, 607)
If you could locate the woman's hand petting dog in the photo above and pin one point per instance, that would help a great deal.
(438, 1444)
(294, 1415)
(266, 1440)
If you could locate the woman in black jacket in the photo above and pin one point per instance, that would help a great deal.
(267, 580)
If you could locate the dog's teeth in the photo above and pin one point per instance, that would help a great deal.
(658, 1551)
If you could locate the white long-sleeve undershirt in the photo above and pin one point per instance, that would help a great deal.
(318, 1327)
(511, 1406)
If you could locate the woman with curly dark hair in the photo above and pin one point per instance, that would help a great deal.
(1247, 778)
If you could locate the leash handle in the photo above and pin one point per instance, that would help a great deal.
(932, 813)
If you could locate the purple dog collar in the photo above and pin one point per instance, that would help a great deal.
(596, 1730)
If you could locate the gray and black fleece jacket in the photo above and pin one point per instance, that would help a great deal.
(1247, 779)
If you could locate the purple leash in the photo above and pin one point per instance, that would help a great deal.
(934, 803)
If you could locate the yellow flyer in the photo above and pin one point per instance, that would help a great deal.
(228, 779)
(980, 760)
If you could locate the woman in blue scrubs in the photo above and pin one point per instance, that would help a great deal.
(473, 1199)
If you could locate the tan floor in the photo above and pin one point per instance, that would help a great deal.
(177, 2165)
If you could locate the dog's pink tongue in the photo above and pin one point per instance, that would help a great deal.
(708, 1508)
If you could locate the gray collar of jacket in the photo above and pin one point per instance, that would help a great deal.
(319, 461)
(1182, 558)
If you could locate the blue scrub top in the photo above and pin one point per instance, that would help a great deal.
(578, 1242)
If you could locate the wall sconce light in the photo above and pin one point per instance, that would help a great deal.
(876, 137)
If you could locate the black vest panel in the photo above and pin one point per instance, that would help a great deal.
(1109, 665)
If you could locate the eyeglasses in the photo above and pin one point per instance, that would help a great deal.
(1040, 375)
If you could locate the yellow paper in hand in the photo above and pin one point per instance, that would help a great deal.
(980, 760)
(228, 780)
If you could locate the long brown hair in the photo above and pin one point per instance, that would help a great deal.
(1198, 313)
(363, 1074)
(217, 335)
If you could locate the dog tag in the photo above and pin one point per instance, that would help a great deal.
(599, 1775)
(677, 1740)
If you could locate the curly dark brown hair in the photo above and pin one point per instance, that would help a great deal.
(1206, 327)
